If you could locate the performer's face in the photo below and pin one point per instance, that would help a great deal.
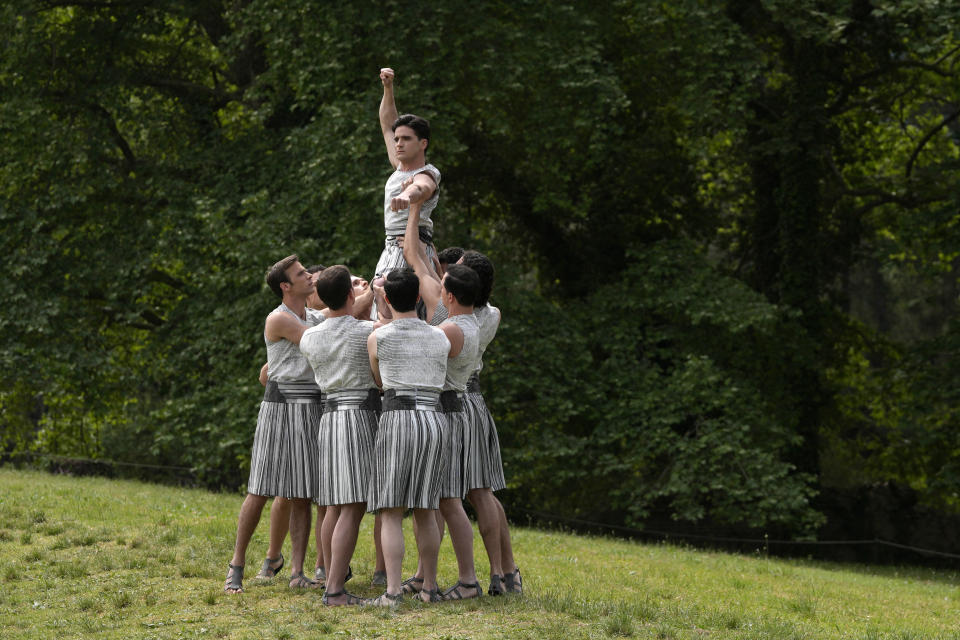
(360, 286)
(301, 282)
(407, 144)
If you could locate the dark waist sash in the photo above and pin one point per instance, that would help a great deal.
(368, 400)
(292, 392)
(425, 235)
(473, 384)
(450, 401)
(411, 400)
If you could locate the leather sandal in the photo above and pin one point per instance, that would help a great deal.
(234, 582)
(300, 581)
(351, 599)
(411, 585)
(268, 571)
(513, 582)
(496, 585)
(455, 593)
(384, 600)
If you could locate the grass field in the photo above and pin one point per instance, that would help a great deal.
(98, 558)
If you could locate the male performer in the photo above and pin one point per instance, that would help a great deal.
(337, 351)
(482, 464)
(284, 458)
(280, 509)
(449, 256)
(450, 301)
(413, 180)
(409, 361)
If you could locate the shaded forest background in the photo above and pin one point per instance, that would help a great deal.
(726, 233)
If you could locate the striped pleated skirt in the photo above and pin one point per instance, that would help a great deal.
(392, 256)
(347, 431)
(482, 464)
(408, 457)
(451, 484)
(285, 459)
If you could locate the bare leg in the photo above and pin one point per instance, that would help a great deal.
(279, 525)
(461, 536)
(247, 522)
(321, 511)
(488, 521)
(507, 563)
(379, 568)
(300, 518)
(428, 546)
(330, 517)
(343, 543)
(391, 541)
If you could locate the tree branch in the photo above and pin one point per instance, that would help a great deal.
(925, 139)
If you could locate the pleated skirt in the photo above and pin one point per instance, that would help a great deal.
(407, 461)
(392, 257)
(451, 485)
(346, 455)
(285, 457)
(482, 464)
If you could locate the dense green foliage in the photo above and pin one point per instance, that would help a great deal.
(716, 225)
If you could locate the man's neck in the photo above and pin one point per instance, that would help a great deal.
(404, 314)
(345, 310)
(457, 309)
(412, 164)
(297, 305)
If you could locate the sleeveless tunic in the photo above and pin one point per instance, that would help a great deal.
(482, 461)
(459, 370)
(408, 453)
(284, 459)
(337, 352)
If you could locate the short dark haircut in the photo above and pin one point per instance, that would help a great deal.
(402, 287)
(484, 268)
(463, 282)
(278, 273)
(450, 255)
(420, 126)
(316, 268)
(334, 285)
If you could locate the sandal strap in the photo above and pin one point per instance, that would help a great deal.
(453, 593)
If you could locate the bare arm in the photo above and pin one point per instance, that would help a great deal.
(419, 189)
(263, 374)
(455, 336)
(388, 114)
(281, 325)
(416, 256)
(374, 361)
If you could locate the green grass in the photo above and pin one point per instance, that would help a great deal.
(97, 558)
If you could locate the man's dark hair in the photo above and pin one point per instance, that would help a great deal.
(420, 126)
(450, 255)
(334, 285)
(484, 268)
(463, 282)
(278, 273)
(402, 287)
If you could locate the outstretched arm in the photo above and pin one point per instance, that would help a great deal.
(374, 360)
(388, 114)
(416, 256)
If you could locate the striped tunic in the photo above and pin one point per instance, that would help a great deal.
(284, 458)
(459, 370)
(337, 352)
(482, 462)
(395, 223)
(408, 453)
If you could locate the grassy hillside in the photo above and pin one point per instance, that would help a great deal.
(97, 558)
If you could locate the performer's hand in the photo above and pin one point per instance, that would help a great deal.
(400, 242)
(399, 203)
(386, 76)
